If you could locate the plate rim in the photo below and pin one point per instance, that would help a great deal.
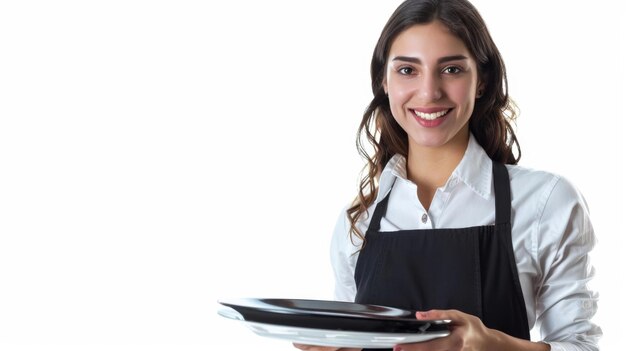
(372, 339)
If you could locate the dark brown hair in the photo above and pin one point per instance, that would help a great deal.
(493, 111)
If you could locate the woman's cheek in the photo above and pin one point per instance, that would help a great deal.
(400, 95)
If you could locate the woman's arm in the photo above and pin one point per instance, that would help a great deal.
(343, 257)
(565, 304)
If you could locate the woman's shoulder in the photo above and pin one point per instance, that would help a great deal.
(551, 185)
(549, 204)
(525, 173)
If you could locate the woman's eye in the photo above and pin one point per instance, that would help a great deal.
(406, 70)
(452, 70)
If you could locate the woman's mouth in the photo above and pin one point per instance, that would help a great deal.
(432, 115)
(430, 118)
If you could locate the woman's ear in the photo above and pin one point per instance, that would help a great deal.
(480, 90)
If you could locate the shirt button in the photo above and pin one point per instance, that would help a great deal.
(424, 218)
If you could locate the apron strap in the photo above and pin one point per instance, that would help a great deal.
(379, 212)
(502, 188)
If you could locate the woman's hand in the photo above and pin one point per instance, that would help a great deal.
(321, 348)
(467, 333)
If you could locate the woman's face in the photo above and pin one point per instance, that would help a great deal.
(432, 82)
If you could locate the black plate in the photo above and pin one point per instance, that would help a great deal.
(334, 315)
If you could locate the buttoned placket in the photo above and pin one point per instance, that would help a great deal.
(424, 218)
(437, 206)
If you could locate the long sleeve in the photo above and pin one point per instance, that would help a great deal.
(343, 255)
(565, 303)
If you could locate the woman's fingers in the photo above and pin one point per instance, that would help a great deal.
(453, 315)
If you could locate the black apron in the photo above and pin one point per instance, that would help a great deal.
(469, 269)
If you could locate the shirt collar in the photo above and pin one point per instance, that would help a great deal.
(474, 170)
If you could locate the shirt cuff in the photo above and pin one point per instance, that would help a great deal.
(566, 346)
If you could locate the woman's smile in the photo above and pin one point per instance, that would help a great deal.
(430, 119)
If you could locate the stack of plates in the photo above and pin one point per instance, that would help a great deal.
(332, 323)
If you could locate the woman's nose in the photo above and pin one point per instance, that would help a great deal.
(430, 88)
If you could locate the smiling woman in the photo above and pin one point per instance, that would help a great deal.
(294, 73)
(445, 222)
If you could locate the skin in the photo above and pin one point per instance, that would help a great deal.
(430, 69)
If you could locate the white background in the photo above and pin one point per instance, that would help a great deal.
(156, 156)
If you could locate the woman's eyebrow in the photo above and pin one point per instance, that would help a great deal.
(439, 60)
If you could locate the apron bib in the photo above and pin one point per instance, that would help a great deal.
(469, 269)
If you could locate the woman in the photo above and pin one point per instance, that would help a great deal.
(445, 222)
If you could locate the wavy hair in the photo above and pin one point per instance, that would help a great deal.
(491, 119)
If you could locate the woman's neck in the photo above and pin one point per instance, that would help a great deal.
(430, 167)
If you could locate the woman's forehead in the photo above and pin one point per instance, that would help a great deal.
(428, 41)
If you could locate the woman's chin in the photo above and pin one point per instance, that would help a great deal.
(439, 138)
(430, 141)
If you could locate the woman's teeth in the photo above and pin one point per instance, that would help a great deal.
(430, 116)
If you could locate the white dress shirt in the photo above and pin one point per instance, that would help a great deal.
(551, 235)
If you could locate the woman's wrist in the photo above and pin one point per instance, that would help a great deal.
(502, 341)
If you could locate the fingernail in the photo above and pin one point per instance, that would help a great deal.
(397, 348)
